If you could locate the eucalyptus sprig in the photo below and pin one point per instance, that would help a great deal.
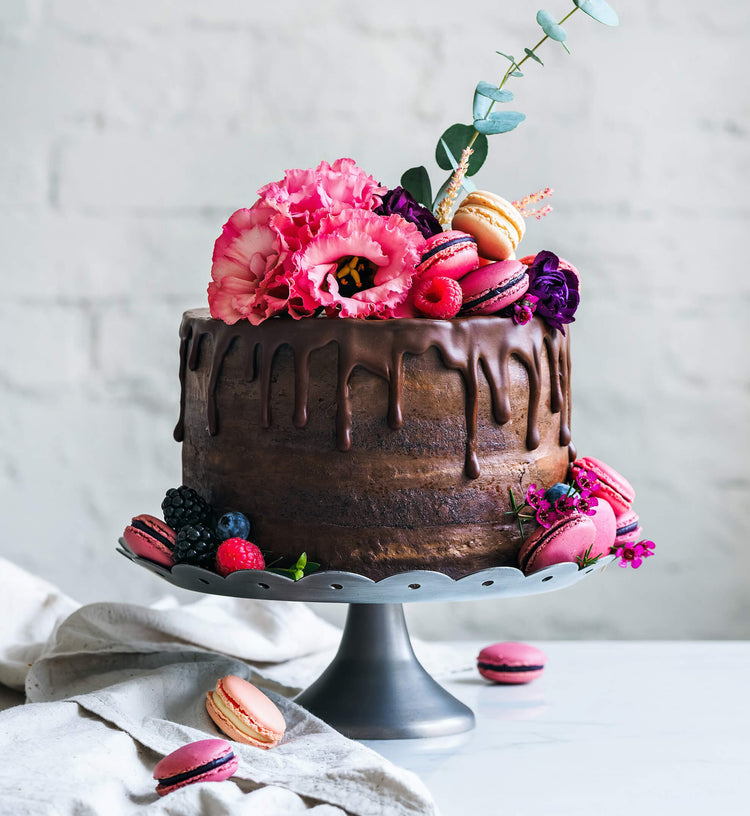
(487, 121)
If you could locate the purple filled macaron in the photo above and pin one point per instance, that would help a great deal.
(210, 760)
(567, 539)
(511, 663)
(493, 287)
(149, 537)
(450, 254)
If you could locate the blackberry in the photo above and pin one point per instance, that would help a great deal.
(183, 506)
(197, 545)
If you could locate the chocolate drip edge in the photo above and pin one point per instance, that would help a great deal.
(464, 344)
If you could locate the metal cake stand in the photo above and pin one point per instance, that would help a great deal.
(375, 688)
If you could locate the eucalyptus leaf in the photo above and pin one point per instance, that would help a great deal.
(565, 46)
(499, 122)
(516, 74)
(493, 92)
(456, 138)
(507, 56)
(600, 10)
(550, 27)
(530, 53)
(481, 106)
(416, 181)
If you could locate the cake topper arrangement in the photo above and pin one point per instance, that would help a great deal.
(331, 241)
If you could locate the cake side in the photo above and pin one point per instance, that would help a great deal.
(375, 446)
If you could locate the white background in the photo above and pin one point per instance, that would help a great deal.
(130, 131)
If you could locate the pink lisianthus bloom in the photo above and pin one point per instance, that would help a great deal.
(358, 265)
(633, 554)
(304, 197)
(247, 275)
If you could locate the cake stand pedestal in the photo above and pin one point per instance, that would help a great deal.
(375, 688)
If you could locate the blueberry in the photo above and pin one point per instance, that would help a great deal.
(233, 525)
(556, 491)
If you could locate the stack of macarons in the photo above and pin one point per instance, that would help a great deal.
(616, 491)
(479, 253)
(576, 536)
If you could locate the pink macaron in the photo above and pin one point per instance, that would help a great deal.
(210, 760)
(450, 254)
(511, 663)
(628, 529)
(569, 538)
(244, 713)
(149, 537)
(490, 288)
(613, 487)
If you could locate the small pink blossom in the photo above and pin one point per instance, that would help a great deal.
(633, 554)
(535, 496)
(546, 515)
(586, 503)
(380, 253)
(246, 271)
(523, 309)
(586, 480)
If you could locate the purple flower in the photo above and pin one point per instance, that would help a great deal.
(556, 288)
(400, 202)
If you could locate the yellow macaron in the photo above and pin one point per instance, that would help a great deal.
(494, 222)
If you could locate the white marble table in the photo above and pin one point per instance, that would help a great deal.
(610, 728)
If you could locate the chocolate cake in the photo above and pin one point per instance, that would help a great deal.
(376, 446)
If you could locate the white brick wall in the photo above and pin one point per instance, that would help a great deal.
(129, 132)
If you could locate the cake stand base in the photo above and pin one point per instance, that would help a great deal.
(375, 688)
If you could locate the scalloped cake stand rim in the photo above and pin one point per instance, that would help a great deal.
(335, 586)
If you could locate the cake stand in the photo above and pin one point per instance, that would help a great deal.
(375, 688)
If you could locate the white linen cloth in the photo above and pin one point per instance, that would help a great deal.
(111, 688)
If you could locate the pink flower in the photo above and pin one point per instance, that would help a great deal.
(304, 197)
(359, 264)
(586, 480)
(586, 503)
(535, 497)
(633, 554)
(247, 277)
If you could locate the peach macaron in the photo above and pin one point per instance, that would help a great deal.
(495, 223)
(244, 713)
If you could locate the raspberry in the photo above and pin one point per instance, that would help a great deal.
(238, 554)
(438, 297)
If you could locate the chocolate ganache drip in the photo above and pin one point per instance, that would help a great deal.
(466, 345)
